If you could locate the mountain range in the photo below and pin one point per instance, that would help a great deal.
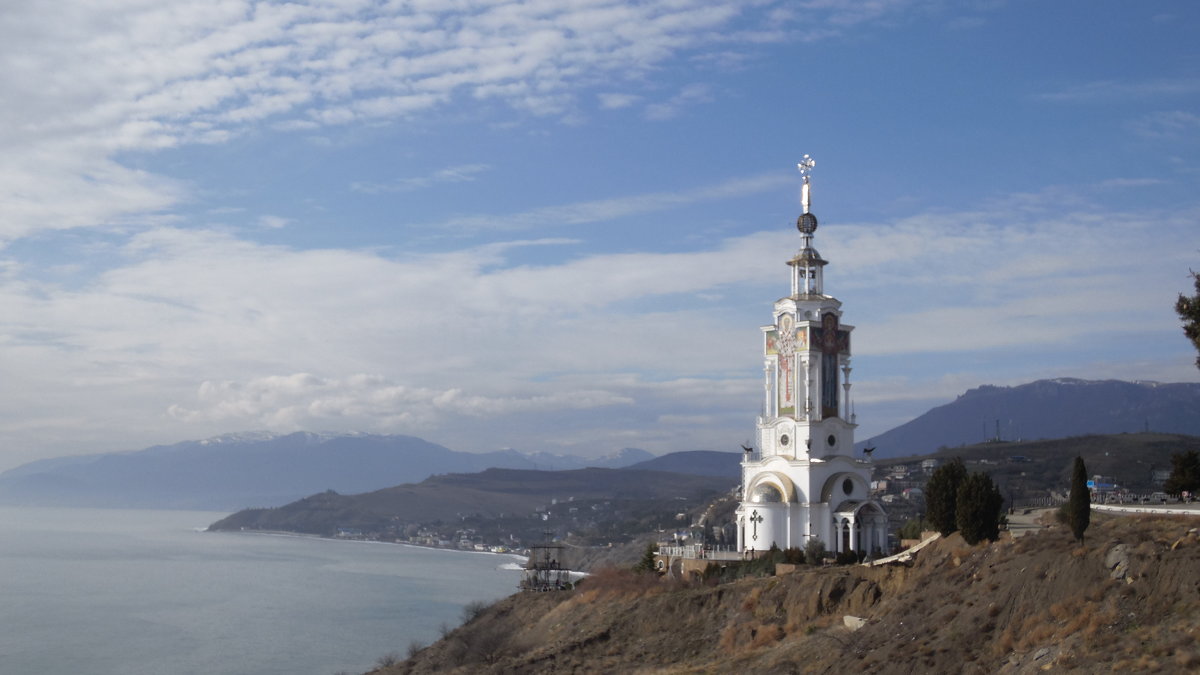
(232, 472)
(1046, 409)
(239, 470)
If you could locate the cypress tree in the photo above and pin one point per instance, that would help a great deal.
(1188, 308)
(1079, 504)
(978, 509)
(1185, 473)
(647, 564)
(941, 496)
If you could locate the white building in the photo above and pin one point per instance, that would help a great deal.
(803, 480)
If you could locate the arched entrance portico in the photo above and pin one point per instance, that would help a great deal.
(859, 526)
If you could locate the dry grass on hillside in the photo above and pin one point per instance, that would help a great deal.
(1037, 603)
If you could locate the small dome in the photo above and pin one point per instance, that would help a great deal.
(806, 223)
(767, 494)
(808, 257)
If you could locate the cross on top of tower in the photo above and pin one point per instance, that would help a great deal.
(806, 165)
(807, 223)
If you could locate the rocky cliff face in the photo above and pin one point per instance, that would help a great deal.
(1125, 600)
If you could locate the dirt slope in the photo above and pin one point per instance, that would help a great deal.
(1128, 599)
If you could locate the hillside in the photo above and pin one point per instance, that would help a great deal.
(1046, 409)
(696, 462)
(495, 504)
(1032, 469)
(599, 507)
(236, 471)
(1124, 601)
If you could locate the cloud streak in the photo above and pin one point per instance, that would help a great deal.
(454, 174)
(98, 80)
(304, 401)
(212, 331)
(598, 210)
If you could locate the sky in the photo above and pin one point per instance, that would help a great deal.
(557, 225)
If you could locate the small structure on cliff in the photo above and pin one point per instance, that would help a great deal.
(804, 482)
(545, 570)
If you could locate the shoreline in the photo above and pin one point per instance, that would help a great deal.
(523, 559)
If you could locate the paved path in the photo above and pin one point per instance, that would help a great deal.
(1192, 509)
(1025, 521)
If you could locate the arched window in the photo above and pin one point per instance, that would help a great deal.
(767, 494)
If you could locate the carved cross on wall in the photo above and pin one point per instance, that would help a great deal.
(756, 519)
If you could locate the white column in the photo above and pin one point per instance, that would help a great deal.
(768, 411)
(787, 521)
(853, 541)
(846, 389)
(808, 397)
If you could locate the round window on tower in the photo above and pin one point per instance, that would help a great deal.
(847, 486)
(832, 440)
(783, 440)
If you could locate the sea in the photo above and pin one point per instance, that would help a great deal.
(132, 592)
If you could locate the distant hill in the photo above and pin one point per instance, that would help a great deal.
(1046, 409)
(236, 471)
(1030, 469)
(697, 463)
(492, 494)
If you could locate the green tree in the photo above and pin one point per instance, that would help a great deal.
(1079, 504)
(913, 527)
(978, 507)
(647, 564)
(1185, 472)
(814, 551)
(941, 495)
(1188, 308)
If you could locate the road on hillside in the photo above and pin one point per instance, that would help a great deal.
(1025, 521)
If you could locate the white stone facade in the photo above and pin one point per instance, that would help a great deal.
(802, 481)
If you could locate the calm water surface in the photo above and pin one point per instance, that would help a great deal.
(132, 592)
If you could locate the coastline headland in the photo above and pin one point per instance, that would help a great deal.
(1122, 600)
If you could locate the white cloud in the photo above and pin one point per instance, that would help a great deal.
(56, 189)
(98, 79)
(273, 222)
(453, 174)
(1109, 90)
(1168, 125)
(305, 401)
(95, 80)
(689, 95)
(612, 101)
(194, 332)
(619, 207)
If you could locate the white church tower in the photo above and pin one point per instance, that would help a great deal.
(804, 482)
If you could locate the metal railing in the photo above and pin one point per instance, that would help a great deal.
(700, 552)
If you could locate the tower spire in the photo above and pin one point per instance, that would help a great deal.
(806, 166)
(806, 266)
